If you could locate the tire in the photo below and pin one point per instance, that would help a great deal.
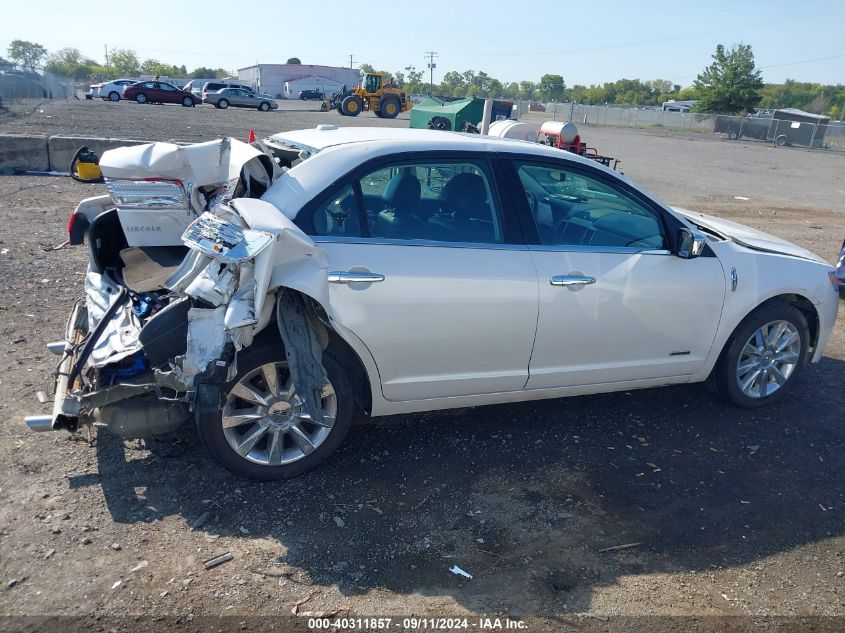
(379, 114)
(390, 107)
(141, 97)
(223, 104)
(733, 135)
(304, 98)
(742, 360)
(217, 439)
(351, 105)
(114, 96)
(780, 141)
(264, 107)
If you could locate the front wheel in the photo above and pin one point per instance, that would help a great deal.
(351, 105)
(264, 107)
(187, 102)
(763, 356)
(141, 97)
(263, 431)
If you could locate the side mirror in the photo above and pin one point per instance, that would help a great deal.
(690, 243)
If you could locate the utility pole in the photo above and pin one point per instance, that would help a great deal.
(106, 46)
(350, 60)
(431, 66)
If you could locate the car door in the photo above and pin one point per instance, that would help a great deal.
(615, 303)
(242, 98)
(169, 93)
(427, 270)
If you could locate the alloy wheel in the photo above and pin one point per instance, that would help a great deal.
(768, 359)
(266, 422)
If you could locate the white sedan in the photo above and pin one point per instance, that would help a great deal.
(398, 271)
(111, 90)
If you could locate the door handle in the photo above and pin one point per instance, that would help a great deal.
(341, 277)
(571, 280)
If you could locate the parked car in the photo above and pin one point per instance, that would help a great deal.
(239, 98)
(111, 90)
(159, 92)
(535, 106)
(840, 272)
(402, 270)
(307, 95)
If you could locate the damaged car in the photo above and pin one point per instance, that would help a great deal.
(269, 292)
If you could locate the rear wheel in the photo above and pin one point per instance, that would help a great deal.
(264, 106)
(114, 96)
(141, 97)
(264, 431)
(764, 354)
(351, 105)
(223, 104)
(390, 107)
(780, 141)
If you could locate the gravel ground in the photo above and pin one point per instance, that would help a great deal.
(732, 512)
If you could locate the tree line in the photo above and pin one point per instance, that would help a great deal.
(122, 62)
(731, 84)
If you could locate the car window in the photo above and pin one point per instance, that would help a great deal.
(148, 84)
(337, 215)
(571, 208)
(448, 201)
(165, 86)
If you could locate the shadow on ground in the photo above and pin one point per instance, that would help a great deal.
(524, 496)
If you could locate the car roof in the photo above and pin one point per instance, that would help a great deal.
(329, 135)
(338, 150)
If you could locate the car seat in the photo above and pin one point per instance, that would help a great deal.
(401, 204)
(465, 214)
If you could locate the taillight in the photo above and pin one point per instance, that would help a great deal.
(204, 95)
(77, 225)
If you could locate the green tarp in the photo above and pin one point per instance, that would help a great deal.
(456, 111)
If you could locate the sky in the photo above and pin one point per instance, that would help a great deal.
(587, 42)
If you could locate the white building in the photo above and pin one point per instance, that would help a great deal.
(272, 78)
(325, 85)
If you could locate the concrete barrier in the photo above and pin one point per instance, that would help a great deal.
(61, 149)
(20, 153)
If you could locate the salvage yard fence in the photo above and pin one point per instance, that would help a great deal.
(20, 84)
(829, 136)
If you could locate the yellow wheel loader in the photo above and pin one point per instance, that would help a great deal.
(374, 94)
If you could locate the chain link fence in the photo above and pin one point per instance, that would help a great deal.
(785, 132)
(26, 84)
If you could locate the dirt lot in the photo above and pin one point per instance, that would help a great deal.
(733, 512)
